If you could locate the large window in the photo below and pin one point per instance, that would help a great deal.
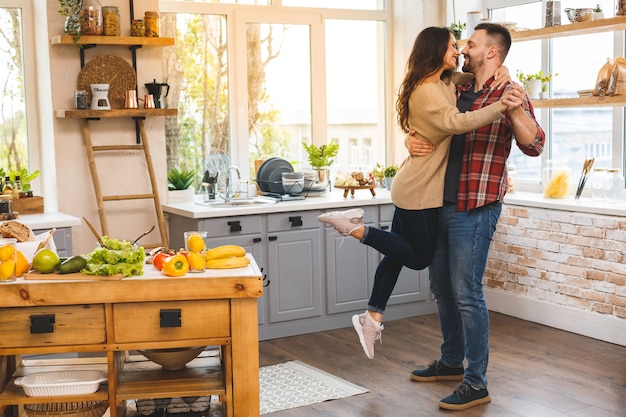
(256, 81)
(13, 112)
(573, 134)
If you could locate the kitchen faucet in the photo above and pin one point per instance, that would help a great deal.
(230, 194)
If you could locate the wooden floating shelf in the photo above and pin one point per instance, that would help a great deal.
(610, 101)
(111, 40)
(582, 28)
(103, 114)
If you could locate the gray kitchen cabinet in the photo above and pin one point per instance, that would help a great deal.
(62, 240)
(245, 231)
(294, 249)
(350, 268)
(412, 285)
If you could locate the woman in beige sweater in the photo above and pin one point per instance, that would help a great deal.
(426, 104)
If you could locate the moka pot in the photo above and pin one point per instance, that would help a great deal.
(155, 89)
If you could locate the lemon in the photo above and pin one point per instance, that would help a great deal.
(21, 264)
(196, 261)
(45, 261)
(6, 252)
(7, 269)
(195, 243)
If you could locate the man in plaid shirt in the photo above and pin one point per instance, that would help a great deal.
(475, 185)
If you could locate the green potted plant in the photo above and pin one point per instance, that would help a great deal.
(597, 13)
(457, 29)
(535, 84)
(389, 172)
(71, 9)
(179, 185)
(321, 158)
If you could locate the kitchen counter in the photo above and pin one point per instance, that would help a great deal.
(48, 220)
(330, 200)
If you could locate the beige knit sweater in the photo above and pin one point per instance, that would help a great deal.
(434, 116)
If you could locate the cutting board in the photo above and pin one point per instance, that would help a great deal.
(76, 276)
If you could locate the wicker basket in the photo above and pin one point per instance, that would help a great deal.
(74, 409)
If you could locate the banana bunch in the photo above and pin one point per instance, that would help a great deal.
(226, 256)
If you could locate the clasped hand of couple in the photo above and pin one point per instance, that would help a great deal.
(511, 100)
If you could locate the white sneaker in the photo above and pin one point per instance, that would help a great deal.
(345, 222)
(369, 332)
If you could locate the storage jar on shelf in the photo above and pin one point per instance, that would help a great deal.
(151, 21)
(598, 184)
(91, 18)
(556, 179)
(614, 185)
(110, 21)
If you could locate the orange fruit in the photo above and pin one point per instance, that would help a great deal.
(21, 265)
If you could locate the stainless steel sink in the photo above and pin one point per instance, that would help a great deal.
(240, 202)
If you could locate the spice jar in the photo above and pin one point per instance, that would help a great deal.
(110, 21)
(151, 21)
(556, 179)
(80, 100)
(90, 18)
(6, 202)
(137, 28)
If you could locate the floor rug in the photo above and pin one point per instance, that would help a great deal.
(295, 384)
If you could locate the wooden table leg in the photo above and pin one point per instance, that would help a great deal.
(245, 357)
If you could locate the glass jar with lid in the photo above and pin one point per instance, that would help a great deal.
(151, 21)
(137, 28)
(110, 21)
(614, 185)
(598, 184)
(91, 18)
(556, 179)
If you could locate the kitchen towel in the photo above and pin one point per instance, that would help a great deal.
(295, 384)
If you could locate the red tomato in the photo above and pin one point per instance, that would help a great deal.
(159, 259)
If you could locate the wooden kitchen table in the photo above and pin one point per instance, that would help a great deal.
(75, 315)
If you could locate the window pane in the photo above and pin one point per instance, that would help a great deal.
(197, 73)
(580, 133)
(279, 90)
(356, 110)
(338, 4)
(13, 131)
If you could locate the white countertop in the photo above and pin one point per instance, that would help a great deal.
(330, 200)
(48, 220)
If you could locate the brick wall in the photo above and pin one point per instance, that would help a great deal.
(566, 258)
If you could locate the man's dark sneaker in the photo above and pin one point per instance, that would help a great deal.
(437, 371)
(465, 396)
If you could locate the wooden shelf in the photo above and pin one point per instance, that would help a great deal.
(111, 40)
(104, 114)
(582, 28)
(611, 101)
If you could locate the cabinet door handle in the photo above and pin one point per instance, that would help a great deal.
(295, 221)
(384, 227)
(235, 226)
(256, 240)
(170, 317)
(273, 238)
(42, 323)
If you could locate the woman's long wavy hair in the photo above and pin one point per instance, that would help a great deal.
(426, 58)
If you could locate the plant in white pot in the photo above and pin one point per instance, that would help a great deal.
(180, 185)
(535, 84)
(321, 158)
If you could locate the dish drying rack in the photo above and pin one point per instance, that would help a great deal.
(285, 195)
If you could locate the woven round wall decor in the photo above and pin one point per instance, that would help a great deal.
(112, 70)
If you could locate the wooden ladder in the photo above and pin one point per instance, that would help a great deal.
(153, 194)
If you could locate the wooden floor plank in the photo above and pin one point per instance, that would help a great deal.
(534, 371)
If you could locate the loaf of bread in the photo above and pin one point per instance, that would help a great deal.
(17, 230)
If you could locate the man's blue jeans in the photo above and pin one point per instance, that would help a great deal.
(456, 275)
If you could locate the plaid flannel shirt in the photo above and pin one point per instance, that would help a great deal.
(484, 177)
